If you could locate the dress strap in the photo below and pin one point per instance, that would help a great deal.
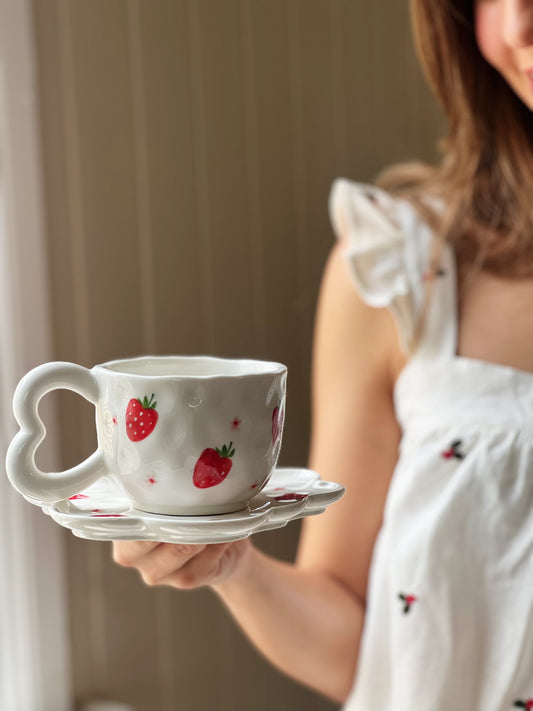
(438, 278)
(388, 249)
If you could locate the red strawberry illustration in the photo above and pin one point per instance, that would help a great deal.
(141, 418)
(213, 466)
(277, 424)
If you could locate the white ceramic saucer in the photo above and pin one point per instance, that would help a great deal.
(102, 513)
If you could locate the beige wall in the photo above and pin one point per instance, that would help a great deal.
(189, 146)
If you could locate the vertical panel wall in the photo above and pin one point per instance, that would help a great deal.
(189, 147)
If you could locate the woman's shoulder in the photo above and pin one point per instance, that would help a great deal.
(354, 431)
(366, 217)
(386, 244)
(363, 215)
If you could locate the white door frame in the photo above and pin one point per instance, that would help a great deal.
(35, 673)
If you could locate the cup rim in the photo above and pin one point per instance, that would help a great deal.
(257, 367)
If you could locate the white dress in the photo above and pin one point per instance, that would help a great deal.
(449, 620)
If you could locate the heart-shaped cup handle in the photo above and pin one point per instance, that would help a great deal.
(46, 487)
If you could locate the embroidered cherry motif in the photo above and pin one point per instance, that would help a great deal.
(524, 704)
(453, 451)
(408, 600)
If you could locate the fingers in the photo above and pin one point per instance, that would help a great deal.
(153, 559)
(215, 564)
(127, 553)
(165, 560)
(183, 566)
(200, 569)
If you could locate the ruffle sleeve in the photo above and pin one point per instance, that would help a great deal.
(385, 258)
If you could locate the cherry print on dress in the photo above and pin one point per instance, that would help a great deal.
(453, 451)
(408, 601)
(519, 704)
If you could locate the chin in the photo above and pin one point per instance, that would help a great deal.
(524, 91)
(525, 95)
(527, 101)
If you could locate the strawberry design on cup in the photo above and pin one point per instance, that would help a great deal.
(519, 704)
(141, 418)
(213, 466)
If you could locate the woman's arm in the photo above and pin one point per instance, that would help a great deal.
(307, 617)
(355, 436)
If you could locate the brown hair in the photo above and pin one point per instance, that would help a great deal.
(485, 178)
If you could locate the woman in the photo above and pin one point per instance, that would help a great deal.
(412, 591)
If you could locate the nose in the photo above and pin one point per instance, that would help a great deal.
(518, 23)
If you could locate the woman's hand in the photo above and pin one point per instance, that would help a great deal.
(182, 566)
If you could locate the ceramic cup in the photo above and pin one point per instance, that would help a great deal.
(180, 434)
